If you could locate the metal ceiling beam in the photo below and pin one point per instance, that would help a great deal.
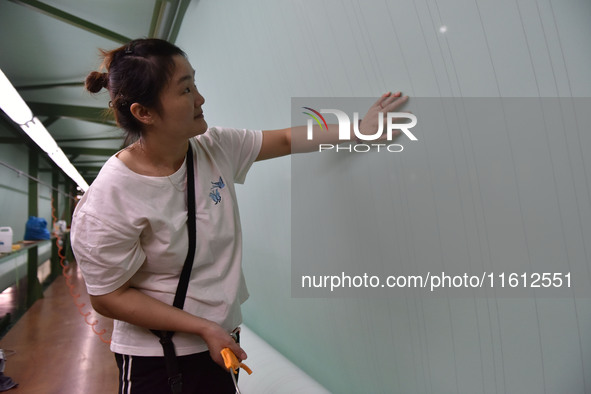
(73, 20)
(97, 162)
(88, 169)
(10, 140)
(182, 8)
(89, 114)
(167, 18)
(162, 18)
(50, 120)
(89, 151)
(82, 170)
(49, 85)
(158, 10)
(89, 139)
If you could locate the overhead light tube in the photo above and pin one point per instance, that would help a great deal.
(15, 107)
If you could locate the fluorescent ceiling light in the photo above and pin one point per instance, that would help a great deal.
(15, 107)
(12, 103)
(38, 133)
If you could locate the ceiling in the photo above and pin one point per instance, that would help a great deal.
(47, 49)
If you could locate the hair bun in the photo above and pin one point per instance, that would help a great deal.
(95, 81)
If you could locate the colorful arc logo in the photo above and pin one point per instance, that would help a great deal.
(315, 117)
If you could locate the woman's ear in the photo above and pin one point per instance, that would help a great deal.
(141, 113)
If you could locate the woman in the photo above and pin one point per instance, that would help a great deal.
(129, 231)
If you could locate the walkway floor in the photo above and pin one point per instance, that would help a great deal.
(52, 350)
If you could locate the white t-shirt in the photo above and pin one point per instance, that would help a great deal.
(131, 226)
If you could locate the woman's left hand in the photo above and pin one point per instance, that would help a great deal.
(387, 103)
(217, 339)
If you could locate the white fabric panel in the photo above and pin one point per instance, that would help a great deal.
(272, 372)
(253, 56)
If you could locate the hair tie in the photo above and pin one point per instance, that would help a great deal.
(105, 80)
(121, 101)
(129, 49)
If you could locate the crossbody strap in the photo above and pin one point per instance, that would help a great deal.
(181, 290)
(172, 368)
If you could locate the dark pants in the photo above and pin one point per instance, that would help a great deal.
(147, 375)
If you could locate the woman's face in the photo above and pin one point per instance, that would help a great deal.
(181, 114)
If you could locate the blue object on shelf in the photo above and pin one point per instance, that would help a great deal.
(36, 229)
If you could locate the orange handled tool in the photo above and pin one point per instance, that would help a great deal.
(232, 364)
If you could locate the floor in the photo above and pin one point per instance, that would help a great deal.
(13, 299)
(51, 349)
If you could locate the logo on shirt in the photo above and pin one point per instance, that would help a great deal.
(214, 194)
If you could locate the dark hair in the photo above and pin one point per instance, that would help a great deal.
(136, 73)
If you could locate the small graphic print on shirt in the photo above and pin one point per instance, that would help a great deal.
(215, 192)
(219, 184)
(215, 196)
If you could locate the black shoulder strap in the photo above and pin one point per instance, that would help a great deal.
(181, 290)
(174, 375)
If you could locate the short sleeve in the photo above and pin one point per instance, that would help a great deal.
(241, 146)
(107, 257)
